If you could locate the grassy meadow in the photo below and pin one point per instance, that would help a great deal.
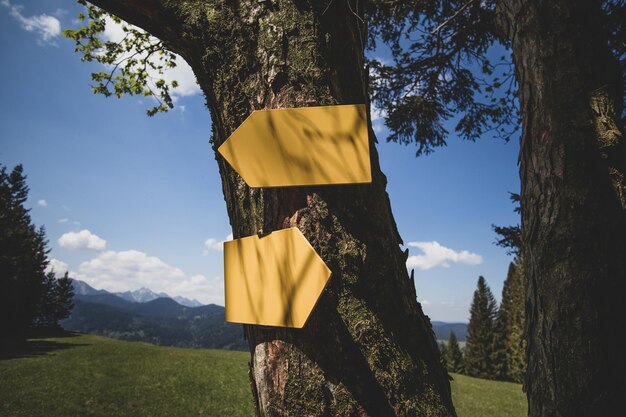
(86, 375)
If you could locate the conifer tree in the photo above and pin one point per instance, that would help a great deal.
(477, 359)
(64, 298)
(57, 300)
(23, 256)
(46, 306)
(513, 301)
(499, 358)
(455, 356)
(445, 354)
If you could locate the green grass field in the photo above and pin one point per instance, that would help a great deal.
(87, 375)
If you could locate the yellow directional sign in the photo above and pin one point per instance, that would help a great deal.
(303, 146)
(273, 280)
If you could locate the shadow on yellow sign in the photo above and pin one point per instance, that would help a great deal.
(302, 146)
(274, 280)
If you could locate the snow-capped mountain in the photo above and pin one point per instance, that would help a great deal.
(187, 302)
(142, 295)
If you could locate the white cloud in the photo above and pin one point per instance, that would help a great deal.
(182, 73)
(82, 240)
(42, 203)
(426, 303)
(46, 26)
(64, 220)
(206, 290)
(378, 114)
(59, 267)
(215, 244)
(378, 119)
(435, 255)
(132, 269)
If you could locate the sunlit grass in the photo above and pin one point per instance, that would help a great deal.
(86, 375)
(95, 376)
(474, 397)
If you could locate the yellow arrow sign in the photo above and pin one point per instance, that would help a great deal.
(303, 146)
(274, 280)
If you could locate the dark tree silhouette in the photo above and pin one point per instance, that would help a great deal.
(23, 257)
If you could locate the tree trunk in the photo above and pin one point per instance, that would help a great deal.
(573, 200)
(367, 349)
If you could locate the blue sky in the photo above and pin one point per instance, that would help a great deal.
(131, 201)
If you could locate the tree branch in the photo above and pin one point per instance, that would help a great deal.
(153, 16)
(458, 12)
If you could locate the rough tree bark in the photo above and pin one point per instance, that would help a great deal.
(367, 349)
(573, 200)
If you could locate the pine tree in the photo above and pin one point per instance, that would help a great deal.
(445, 354)
(499, 357)
(513, 295)
(64, 298)
(455, 356)
(23, 256)
(56, 301)
(46, 307)
(477, 359)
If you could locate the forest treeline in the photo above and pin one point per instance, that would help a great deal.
(31, 295)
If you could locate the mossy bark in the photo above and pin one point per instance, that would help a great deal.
(572, 165)
(367, 349)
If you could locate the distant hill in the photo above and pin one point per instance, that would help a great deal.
(160, 321)
(163, 321)
(442, 330)
(82, 288)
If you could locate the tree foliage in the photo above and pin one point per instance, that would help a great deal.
(133, 66)
(455, 356)
(510, 237)
(57, 300)
(511, 330)
(444, 355)
(478, 355)
(29, 295)
(452, 63)
(23, 255)
(443, 68)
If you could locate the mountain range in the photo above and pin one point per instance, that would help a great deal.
(442, 330)
(146, 316)
(142, 295)
(160, 320)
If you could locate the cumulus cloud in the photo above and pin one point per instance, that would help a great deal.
(435, 255)
(182, 73)
(132, 269)
(59, 267)
(42, 203)
(215, 244)
(45, 26)
(206, 290)
(82, 240)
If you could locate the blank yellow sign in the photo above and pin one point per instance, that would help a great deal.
(302, 146)
(275, 280)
